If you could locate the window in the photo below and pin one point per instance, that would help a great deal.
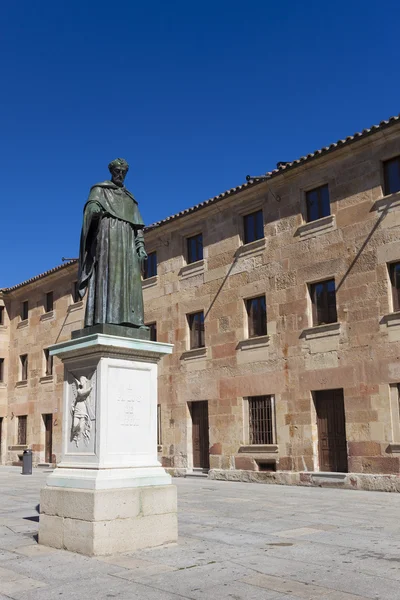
(394, 272)
(1, 370)
(196, 326)
(195, 248)
(391, 175)
(159, 437)
(153, 331)
(261, 420)
(48, 362)
(323, 298)
(24, 366)
(150, 266)
(257, 316)
(22, 423)
(75, 293)
(2, 310)
(49, 302)
(253, 226)
(24, 310)
(318, 204)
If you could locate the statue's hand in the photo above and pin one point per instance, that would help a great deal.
(142, 256)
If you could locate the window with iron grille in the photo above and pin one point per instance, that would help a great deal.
(257, 316)
(48, 362)
(1, 370)
(22, 423)
(150, 266)
(317, 202)
(394, 272)
(153, 331)
(24, 310)
(24, 366)
(261, 420)
(159, 436)
(196, 327)
(195, 248)
(49, 302)
(2, 311)
(391, 175)
(253, 225)
(323, 298)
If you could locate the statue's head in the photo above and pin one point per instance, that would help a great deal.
(118, 169)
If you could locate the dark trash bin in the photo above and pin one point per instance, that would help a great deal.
(27, 462)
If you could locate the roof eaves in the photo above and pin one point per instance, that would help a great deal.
(282, 168)
(37, 277)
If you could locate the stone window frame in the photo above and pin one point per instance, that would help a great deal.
(191, 342)
(2, 370)
(384, 178)
(49, 301)
(152, 325)
(2, 315)
(191, 269)
(48, 363)
(23, 366)
(22, 430)
(24, 314)
(255, 336)
(146, 275)
(306, 203)
(246, 423)
(394, 299)
(190, 260)
(312, 310)
(318, 226)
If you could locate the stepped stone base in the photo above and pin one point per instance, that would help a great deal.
(102, 522)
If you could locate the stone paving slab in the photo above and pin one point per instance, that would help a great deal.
(237, 542)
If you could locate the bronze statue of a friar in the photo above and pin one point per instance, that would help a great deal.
(112, 256)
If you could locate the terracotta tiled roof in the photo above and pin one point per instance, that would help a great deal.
(282, 168)
(252, 181)
(32, 279)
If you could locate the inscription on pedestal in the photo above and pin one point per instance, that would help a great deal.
(128, 407)
(129, 410)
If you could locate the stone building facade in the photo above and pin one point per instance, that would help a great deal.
(282, 300)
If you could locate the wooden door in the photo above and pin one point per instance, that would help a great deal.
(199, 412)
(48, 424)
(331, 431)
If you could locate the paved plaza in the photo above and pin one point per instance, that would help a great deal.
(237, 541)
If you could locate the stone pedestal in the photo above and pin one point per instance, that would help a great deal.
(109, 493)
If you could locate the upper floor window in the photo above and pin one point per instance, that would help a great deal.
(391, 175)
(24, 366)
(323, 299)
(75, 293)
(153, 331)
(24, 310)
(195, 248)
(48, 361)
(317, 202)
(261, 420)
(150, 266)
(2, 312)
(49, 302)
(196, 328)
(257, 316)
(253, 225)
(1, 370)
(394, 272)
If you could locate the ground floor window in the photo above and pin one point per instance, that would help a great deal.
(261, 420)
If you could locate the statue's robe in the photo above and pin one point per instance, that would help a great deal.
(109, 266)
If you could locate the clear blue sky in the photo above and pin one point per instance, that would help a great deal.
(194, 95)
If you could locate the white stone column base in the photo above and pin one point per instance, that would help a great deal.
(108, 521)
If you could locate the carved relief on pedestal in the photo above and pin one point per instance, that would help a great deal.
(82, 411)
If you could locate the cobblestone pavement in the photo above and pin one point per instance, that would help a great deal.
(237, 541)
